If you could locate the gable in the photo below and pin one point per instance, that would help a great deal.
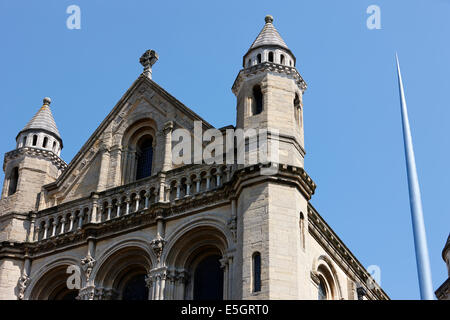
(145, 104)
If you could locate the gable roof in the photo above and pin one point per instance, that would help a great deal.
(115, 110)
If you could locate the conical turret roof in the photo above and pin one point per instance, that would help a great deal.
(268, 36)
(43, 120)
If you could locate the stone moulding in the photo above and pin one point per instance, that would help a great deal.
(47, 154)
(271, 67)
(320, 230)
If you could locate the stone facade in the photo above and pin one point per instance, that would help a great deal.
(91, 230)
(443, 292)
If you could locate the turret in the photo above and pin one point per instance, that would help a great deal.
(34, 163)
(269, 92)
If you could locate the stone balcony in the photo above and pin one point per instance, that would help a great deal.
(167, 189)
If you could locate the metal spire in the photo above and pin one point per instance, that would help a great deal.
(420, 241)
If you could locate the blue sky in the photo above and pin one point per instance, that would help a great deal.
(351, 107)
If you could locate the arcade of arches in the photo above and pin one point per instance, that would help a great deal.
(193, 269)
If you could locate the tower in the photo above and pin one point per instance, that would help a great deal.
(269, 92)
(271, 209)
(34, 163)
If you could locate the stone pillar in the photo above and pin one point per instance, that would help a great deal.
(104, 168)
(188, 187)
(167, 163)
(63, 224)
(162, 183)
(116, 159)
(71, 218)
(54, 224)
(30, 233)
(224, 267)
(94, 210)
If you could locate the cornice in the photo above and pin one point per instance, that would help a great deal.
(268, 67)
(35, 152)
(443, 291)
(322, 232)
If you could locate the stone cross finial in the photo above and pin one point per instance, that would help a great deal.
(148, 59)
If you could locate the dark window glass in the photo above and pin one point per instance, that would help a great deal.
(208, 279)
(13, 180)
(135, 289)
(24, 141)
(34, 140)
(257, 272)
(322, 290)
(144, 158)
(258, 57)
(282, 59)
(44, 144)
(258, 100)
(271, 56)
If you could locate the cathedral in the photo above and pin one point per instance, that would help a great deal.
(124, 221)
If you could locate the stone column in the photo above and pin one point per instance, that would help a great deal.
(104, 168)
(31, 233)
(116, 159)
(94, 211)
(162, 183)
(167, 163)
(63, 224)
(224, 267)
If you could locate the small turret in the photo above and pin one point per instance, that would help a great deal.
(35, 162)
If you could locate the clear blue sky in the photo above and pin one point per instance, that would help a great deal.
(351, 107)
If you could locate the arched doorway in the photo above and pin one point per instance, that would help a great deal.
(135, 288)
(208, 279)
(53, 286)
(123, 272)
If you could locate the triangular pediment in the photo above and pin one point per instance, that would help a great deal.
(145, 100)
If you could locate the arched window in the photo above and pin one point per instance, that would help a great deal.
(297, 108)
(208, 279)
(282, 59)
(54, 146)
(35, 140)
(257, 100)
(256, 272)
(44, 143)
(270, 56)
(13, 180)
(144, 154)
(258, 57)
(322, 294)
(302, 230)
(24, 143)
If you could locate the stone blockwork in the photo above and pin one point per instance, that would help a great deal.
(95, 229)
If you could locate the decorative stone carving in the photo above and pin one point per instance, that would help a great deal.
(24, 280)
(147, 60)
(232, 225)
(88, 263)
(87, 293)
(157, 245)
